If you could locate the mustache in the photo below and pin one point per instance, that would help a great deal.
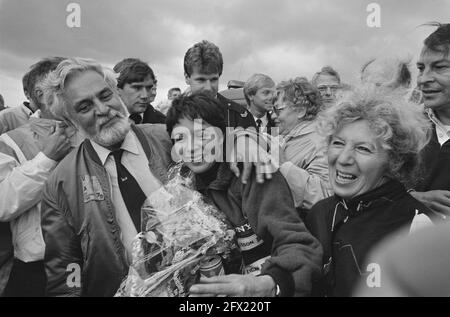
(108, 117)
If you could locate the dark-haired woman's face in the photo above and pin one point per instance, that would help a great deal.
(198, 144)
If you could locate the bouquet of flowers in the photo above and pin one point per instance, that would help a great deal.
(180, 231)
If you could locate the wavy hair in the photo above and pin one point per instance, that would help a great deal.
(300, 92)
(54, 84)
(401, 126)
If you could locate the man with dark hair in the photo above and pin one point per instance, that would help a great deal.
(153, 115)
(135, 83)
(14, 117)
(203, 65)
(328, 82)
(28, 155)
(434, 82)
(259, 93)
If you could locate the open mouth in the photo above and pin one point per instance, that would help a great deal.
(345, 178)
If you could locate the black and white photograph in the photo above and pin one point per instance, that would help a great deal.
(205, 149)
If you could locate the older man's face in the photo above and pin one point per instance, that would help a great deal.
(328, 87)
(96, 108)
(434, 78)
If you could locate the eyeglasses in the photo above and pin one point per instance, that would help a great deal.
(278, 109)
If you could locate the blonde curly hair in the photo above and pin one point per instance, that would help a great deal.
(400, 125)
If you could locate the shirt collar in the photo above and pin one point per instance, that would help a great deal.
(37, 114)
(26, 108)
(129, 145)
(264, 120)
(434, 118)
(442, 130)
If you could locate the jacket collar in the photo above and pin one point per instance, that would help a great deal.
(128, 144)
(221, 180)
(383, 194)
(139, 135)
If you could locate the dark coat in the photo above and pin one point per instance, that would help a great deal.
(435, 172)
(294, 255)
(348, 230)
(151, 115)
(235, 114)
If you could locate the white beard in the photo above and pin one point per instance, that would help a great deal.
(112, 135)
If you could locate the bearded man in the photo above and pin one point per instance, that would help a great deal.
(91, 203)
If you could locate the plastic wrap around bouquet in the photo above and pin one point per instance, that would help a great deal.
(180, 233)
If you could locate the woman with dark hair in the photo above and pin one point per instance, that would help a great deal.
(374, 140)
(280, 256)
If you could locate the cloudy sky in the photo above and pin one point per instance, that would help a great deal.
(281, 38)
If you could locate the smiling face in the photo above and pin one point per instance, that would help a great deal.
(434, 78)
(262, 100)
(96, 108)
(357, 162)
(198, 144)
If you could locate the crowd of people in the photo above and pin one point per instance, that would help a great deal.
(328, 174)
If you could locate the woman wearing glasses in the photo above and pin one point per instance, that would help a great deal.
(302, 157)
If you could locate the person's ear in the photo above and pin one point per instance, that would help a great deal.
(39, 95)
(187, 79)
(301, 112)
(120, 91)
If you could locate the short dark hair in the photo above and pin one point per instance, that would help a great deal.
(439, 40)
(37, 72)
(2, 101)
(133, 70)
(196, 106)
(206, 57)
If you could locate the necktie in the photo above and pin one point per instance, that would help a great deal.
(136, 117)
(132, 194)
(258, 124)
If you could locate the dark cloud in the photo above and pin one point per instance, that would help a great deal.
(283, 38)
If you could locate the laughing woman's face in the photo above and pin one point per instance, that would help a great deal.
(356, 159)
